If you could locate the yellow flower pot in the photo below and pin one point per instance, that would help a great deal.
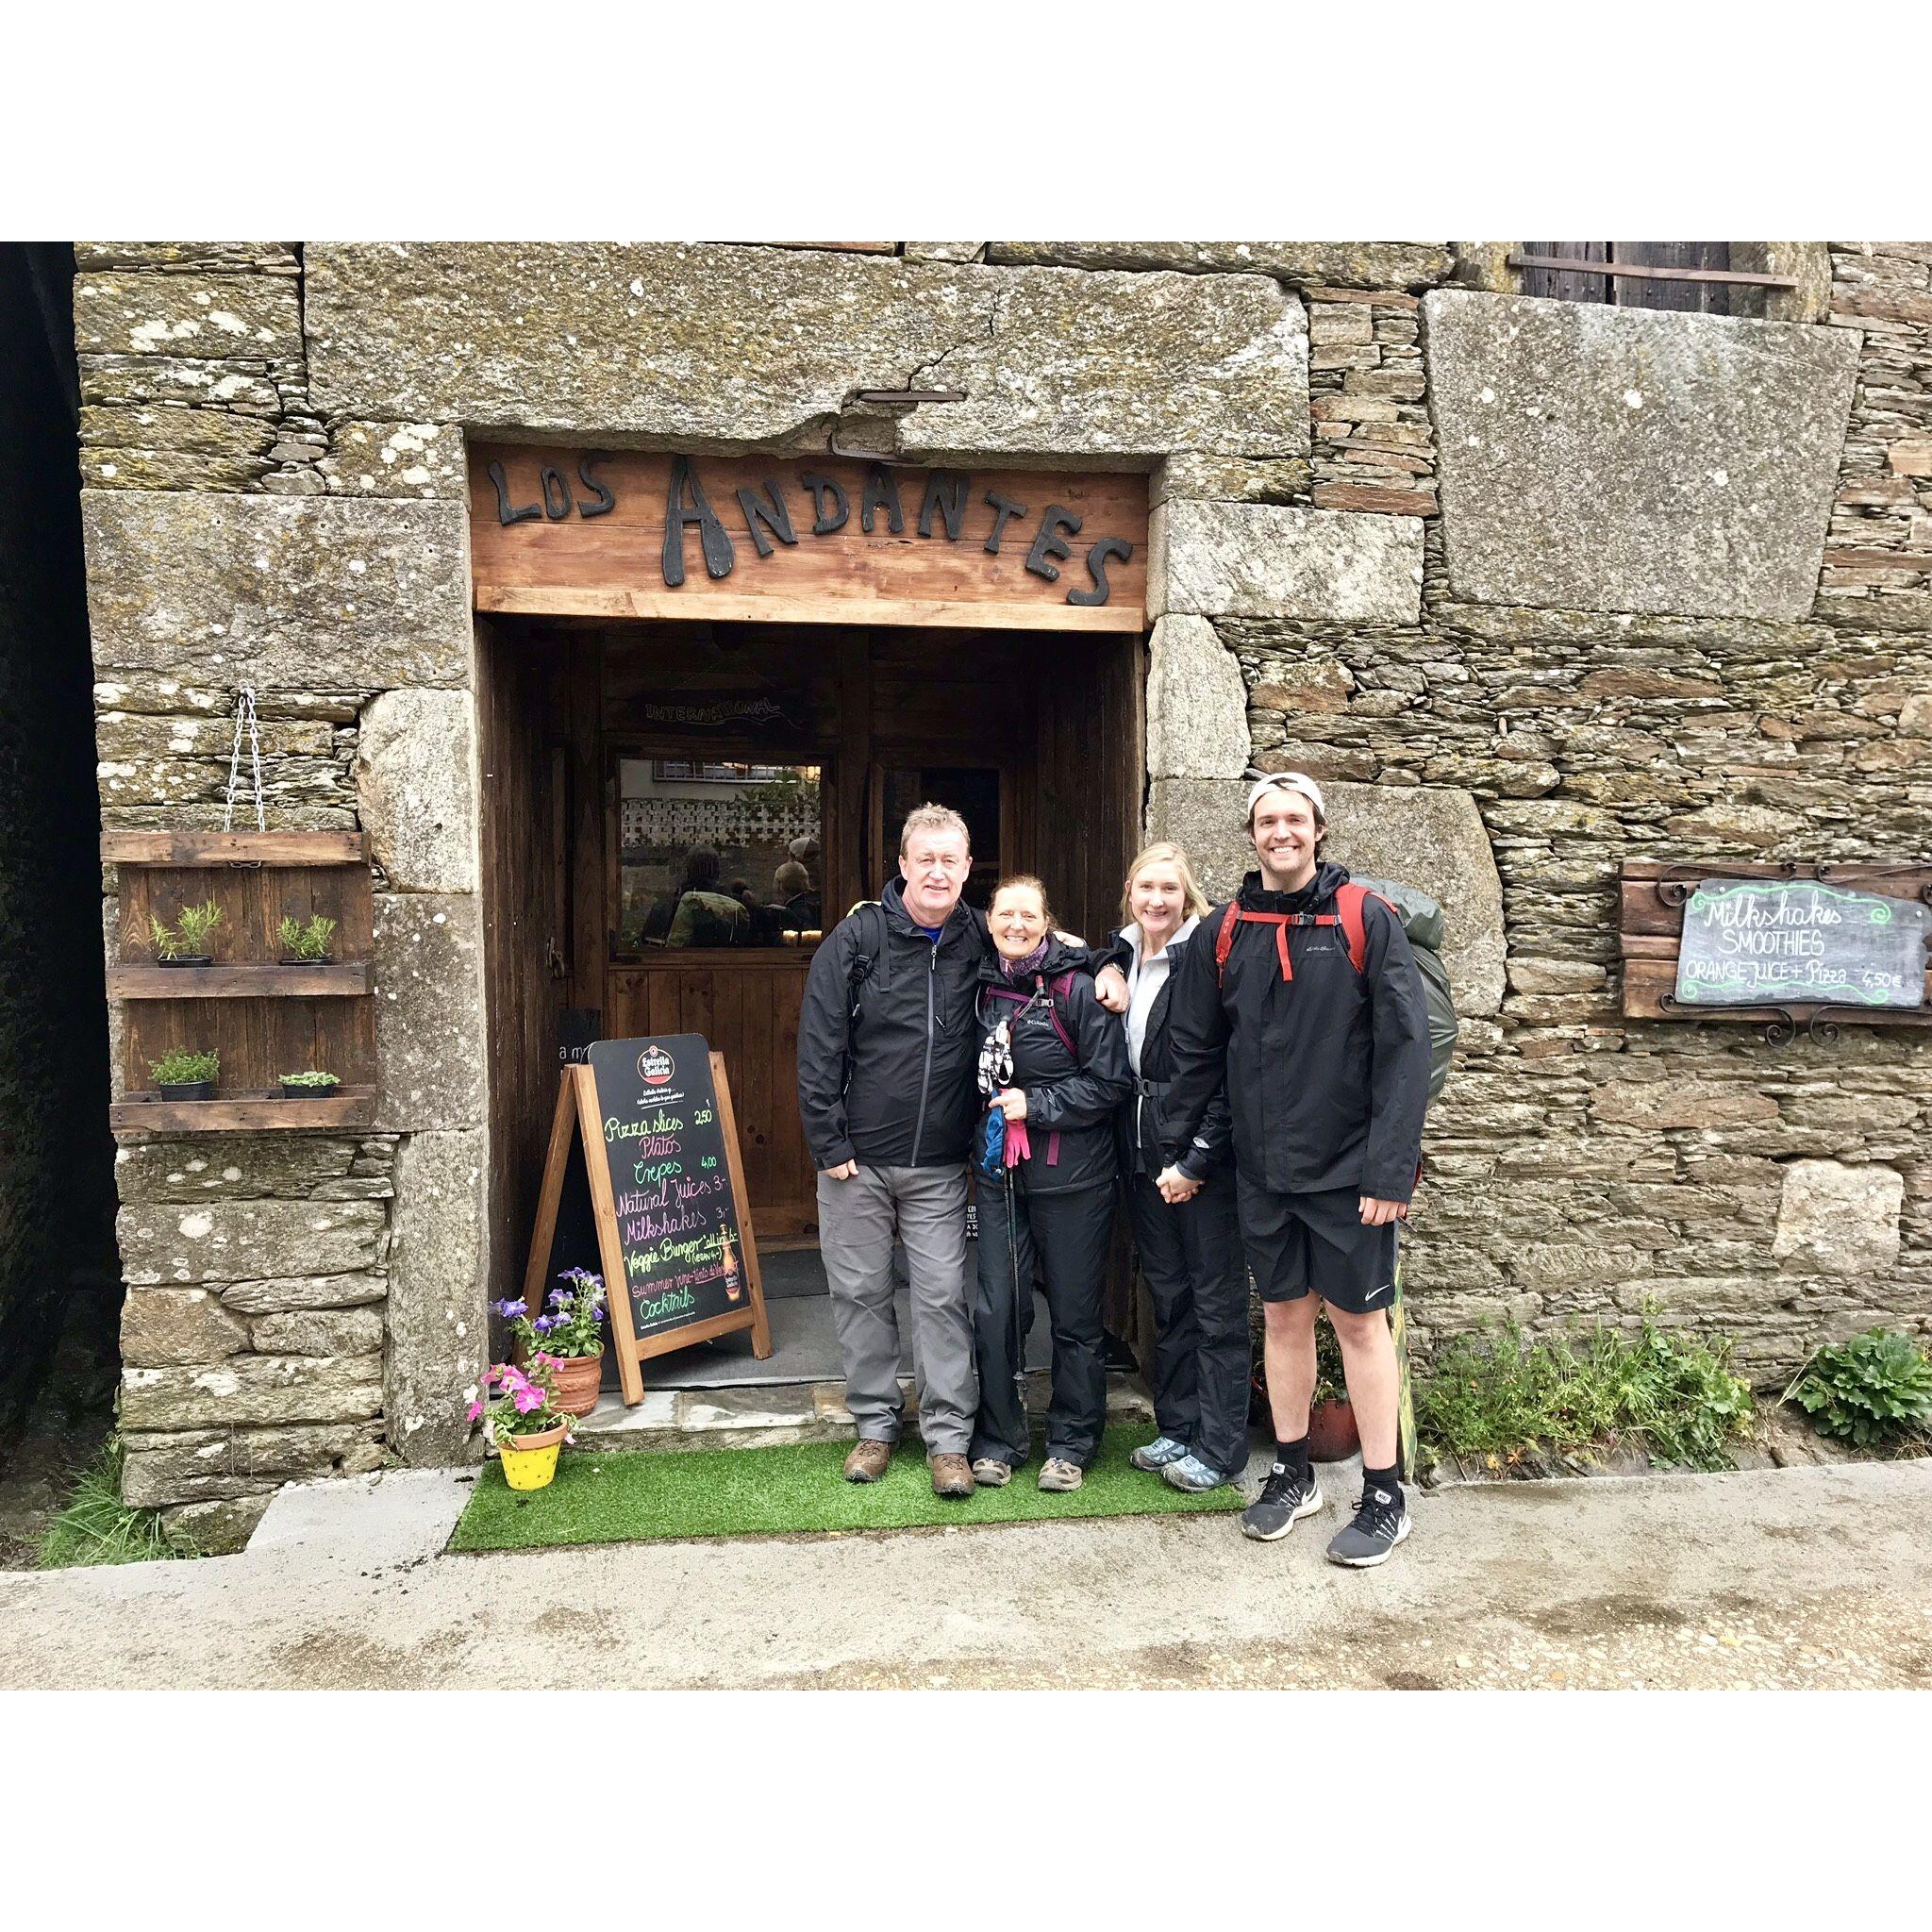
(529, 1462)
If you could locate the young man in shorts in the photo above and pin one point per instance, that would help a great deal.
(1327, 1069)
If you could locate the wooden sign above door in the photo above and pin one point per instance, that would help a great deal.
(805, 539)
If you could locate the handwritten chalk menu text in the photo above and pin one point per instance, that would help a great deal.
(678, 1224)
(1757, 943)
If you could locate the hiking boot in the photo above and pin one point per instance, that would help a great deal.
(952, 1476)
(868, 1460)
(1286, 1498)
(1381, 1522)
(990, 1475)
(1157, 1453)
(1060, 1475)
(1191, 1474)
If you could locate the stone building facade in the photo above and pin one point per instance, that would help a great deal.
(1532, 586)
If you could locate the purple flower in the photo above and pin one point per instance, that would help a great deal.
(557, 1297)
(511, 1310)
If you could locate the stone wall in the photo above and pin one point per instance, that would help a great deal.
(1536, 588)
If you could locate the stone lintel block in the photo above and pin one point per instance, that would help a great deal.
(162, 1326)
(254, 1389)
(1602, 459)
(168, 1244)
(1343, 264)
(438, 1331)
(720, 346)
(429, 1039)
(415, 789)
(195, 315)
(1230, 479)
(294, 592)
(1249, 559)
(1197, 711)
(1836, 1217)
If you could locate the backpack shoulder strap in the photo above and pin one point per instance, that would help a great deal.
(1223, 937)
(872, 944)
(1059, 1010)
(1349, 901)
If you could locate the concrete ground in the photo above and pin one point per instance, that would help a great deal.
(1776, 1578)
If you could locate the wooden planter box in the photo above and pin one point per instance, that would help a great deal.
(264, 1019)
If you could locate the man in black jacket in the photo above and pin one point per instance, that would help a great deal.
(886, 1056)
(1327, 1059)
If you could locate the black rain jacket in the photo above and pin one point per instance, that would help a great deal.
(1327, 1073)
(1142, 1120)
(1071, 1097)
(886, 1062)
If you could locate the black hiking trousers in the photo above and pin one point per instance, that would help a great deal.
(1191, 1256)
(1069, 1234)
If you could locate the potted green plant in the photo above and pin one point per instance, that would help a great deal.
(523, 1421)
(185, 943)
(306, 941)
(1332, 1433)
(187, 1075)
(310, 1086)
(569, 1333)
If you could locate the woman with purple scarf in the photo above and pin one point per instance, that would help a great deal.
(1054, 1068)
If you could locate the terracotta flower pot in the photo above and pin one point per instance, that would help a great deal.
(578, 1380)
(529, 1462)
(1332, 1433)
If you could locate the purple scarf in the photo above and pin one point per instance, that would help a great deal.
(1019, 969)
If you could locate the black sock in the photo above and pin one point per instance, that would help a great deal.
(1292, 1456)
(1387, 1480)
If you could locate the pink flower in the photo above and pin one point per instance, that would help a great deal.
(475, 1411)
(526, 1398)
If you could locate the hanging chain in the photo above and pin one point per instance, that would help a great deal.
(244, 720)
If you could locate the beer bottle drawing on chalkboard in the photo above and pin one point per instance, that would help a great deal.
(728, 1259)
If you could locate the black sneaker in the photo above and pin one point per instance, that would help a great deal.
(1381, 1522)
(1286, 1498)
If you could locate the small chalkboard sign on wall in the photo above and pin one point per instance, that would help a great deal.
(646, 1129)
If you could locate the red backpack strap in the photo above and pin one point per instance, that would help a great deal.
(1059, 996)
(1349, 900)
(1223, 940)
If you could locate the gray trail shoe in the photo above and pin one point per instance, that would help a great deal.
(1157, 1453)
(1381, 1522)
(1060, 1475)
(1285, 1499)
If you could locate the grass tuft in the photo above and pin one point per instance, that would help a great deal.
(94, 1525)
(1675, 1394)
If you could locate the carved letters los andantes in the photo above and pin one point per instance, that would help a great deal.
(788, 509)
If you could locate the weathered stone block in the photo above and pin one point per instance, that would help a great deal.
(319, 1331)
(254, 1389)
(717, 346)
(208, 1465)
(1678, 1101)
(1344, 264)
(244, 1165)
(303, 1291)
(201, 432)
(217, 1529)
(1602, 459)
(301, 592)
(233, 1240)
(1839, 1219)
(429, 1041)
(1430, 837)
(1246, 560)
(187, 315)
(1197, 712)
(437, 1327)
(242, 385)
(413, 784)
(420, 459)
(1230, 479)
(164, 1325)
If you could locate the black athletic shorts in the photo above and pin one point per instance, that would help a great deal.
(1315, 1243)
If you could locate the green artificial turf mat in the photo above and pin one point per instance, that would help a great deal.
(602, 1496)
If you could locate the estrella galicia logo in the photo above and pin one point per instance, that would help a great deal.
(654, 1064)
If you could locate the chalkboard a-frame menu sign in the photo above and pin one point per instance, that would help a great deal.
(643, 1159)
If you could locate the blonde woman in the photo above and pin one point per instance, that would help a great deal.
(1053, 1070)
(1188, 1239)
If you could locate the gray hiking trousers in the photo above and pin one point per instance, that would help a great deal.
(857, 1222)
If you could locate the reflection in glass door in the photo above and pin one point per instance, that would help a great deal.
(975, 792)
